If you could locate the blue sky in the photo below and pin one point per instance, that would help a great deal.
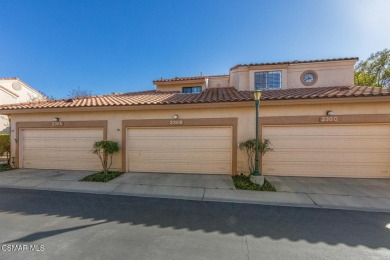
(121, 46)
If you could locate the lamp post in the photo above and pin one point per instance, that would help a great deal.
(257, 95)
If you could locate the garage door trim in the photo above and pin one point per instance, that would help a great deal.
(49, 125)
(232, 122)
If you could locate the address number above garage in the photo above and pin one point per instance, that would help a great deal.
(328, 119)
(57, 124)
(175, 122)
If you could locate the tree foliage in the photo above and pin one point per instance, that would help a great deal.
(5, 147)
(375, 71)
(105, 150)
(79, 93)
(249, 146)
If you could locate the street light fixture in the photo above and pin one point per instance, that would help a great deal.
(257, 95)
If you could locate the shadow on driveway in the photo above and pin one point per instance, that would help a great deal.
(352, 228)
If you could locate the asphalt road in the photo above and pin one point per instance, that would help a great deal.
(88, 226)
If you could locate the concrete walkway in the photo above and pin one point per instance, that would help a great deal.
(191, 187)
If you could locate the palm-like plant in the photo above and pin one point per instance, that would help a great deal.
(249, 146)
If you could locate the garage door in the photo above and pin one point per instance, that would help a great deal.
(180, 150)
(328, 150)
(67, 149)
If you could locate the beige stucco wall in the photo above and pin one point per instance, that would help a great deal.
(245, 115)
(331, 73)
(218, 82)
(239, 78)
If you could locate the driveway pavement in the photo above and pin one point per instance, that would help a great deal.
(210, 181)
(371, 195)
(333, 186)
(66, 225)
(338, 192)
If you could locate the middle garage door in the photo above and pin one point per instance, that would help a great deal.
(180, 150)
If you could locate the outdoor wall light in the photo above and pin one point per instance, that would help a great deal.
(329, 113)
(56, 119)
(175, 116)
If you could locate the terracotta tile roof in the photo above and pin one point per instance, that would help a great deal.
(212, 95)
(13, 78)
(294, 62)
(188, 78)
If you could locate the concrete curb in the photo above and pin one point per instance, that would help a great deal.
(169, 189)
(215, 195)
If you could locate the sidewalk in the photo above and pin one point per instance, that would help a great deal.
(223, 192)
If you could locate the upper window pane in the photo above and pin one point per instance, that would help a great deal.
(268, 80)
(191, 90)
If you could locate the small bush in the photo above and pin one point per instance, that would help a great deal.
(105, 150)
(5, 146)
(243, 182)
(5, 167)
(102, 177)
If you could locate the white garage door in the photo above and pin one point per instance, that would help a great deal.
(328, 151)
(66, 149)
(180, 150)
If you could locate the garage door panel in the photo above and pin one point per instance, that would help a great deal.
(65, 133)
(180, 143)
(36, 154)
(329, 130)
(330, 142)
(65, 143)
(328, 150)
(318, 155)
(169, 167)
(68, 149)
(180, 150)
(167, 133)
(176, 155)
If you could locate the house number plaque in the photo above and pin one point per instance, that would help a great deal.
(328, 119)
(176, 122)
(54, 124)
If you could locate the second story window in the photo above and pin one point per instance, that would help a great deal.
(268, 80)
(189, 90)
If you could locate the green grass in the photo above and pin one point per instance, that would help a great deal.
(101, 176)
(243, 182)
(5, 167)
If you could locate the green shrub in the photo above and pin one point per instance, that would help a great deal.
(250, 148)
(105, 150)
(243, 182)
(102, 177)
(5, 146)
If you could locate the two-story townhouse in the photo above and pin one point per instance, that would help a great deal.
(13, 90)
(318, 123)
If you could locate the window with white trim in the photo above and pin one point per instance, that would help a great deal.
(189, 90)
(268, 80)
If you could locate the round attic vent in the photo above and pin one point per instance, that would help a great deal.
(16, 86)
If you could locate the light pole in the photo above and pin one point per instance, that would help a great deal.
(257, 95)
